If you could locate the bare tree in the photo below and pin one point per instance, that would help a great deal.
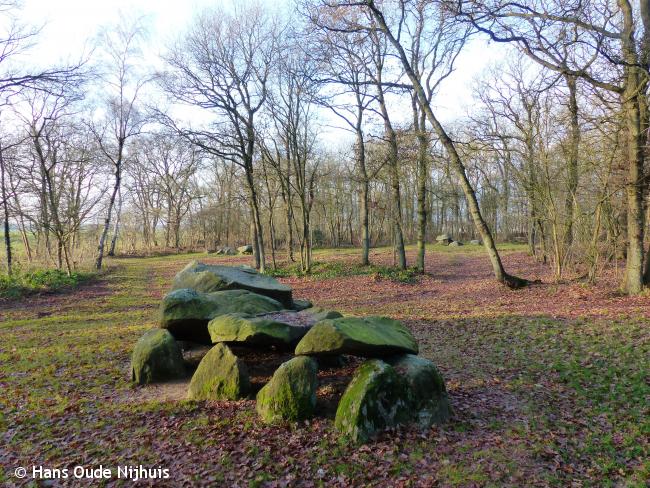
(16, 39)
(122, 120)
(344, 57)
(223, 66)
(349, 10)
(292, 110)
(608, 46)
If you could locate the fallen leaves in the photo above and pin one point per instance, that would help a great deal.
(549, 384)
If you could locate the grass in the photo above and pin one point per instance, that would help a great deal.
(327, 266)
(22, 283)
(539, 399)
(330, 270)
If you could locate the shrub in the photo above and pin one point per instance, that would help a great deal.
(22, 283)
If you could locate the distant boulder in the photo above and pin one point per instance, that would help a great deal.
(456, 243)
(475, 242)
(444, 239)
(247, 249)
(301, 304)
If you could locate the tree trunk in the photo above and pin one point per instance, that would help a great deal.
(364, 203)
(116, 228)
(393, 164)
(107, 221)
(633, 102)
(422, 174)
(260, 261)
(456, 161)
(633, 283)
(572, 162)
(5, 208)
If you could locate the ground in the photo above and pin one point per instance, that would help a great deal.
(550, 384)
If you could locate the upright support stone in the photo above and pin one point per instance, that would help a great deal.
(376, 398)
(156, 357)
(291, 392)
(220, 376)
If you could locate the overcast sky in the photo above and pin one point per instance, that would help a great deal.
(69, 25)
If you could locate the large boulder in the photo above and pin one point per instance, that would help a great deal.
(444, 239)
(455, 243)
(358, 336)
(156, 357)
(247, 249)
(291, 392)
(376, 398)
(220, 376)
(428, 397)
(254, 331)
(475, 242)
(186, 313)
(208, 278)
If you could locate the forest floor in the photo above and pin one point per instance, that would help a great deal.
(550, 384)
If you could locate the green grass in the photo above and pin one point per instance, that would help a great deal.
(580, 390)
(324, 267)
(333, 269)
(22, 283)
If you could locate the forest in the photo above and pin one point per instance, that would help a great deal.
(223, 144)
(320, 146)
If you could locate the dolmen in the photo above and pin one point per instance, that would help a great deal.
(234, 307)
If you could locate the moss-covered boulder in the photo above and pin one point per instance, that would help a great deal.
(358, 336)
(156, 357)
(427, 392)
(247, 249)
(376, 398)
(317, 314)
(291, 392)
(301, 304)
(254, 331)
(208, 278)
(186, 313)
(220, 376)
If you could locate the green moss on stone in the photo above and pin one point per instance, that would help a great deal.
(291, 392)
(360, 336)
(318, 314)
(186, 313)
(156, 357)
(427, 392)
(376, 398)
(242, 329)
(220, 376)
(210, 278)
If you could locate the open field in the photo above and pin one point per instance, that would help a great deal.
(550, 384)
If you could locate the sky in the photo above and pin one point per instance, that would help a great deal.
(68, 27)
